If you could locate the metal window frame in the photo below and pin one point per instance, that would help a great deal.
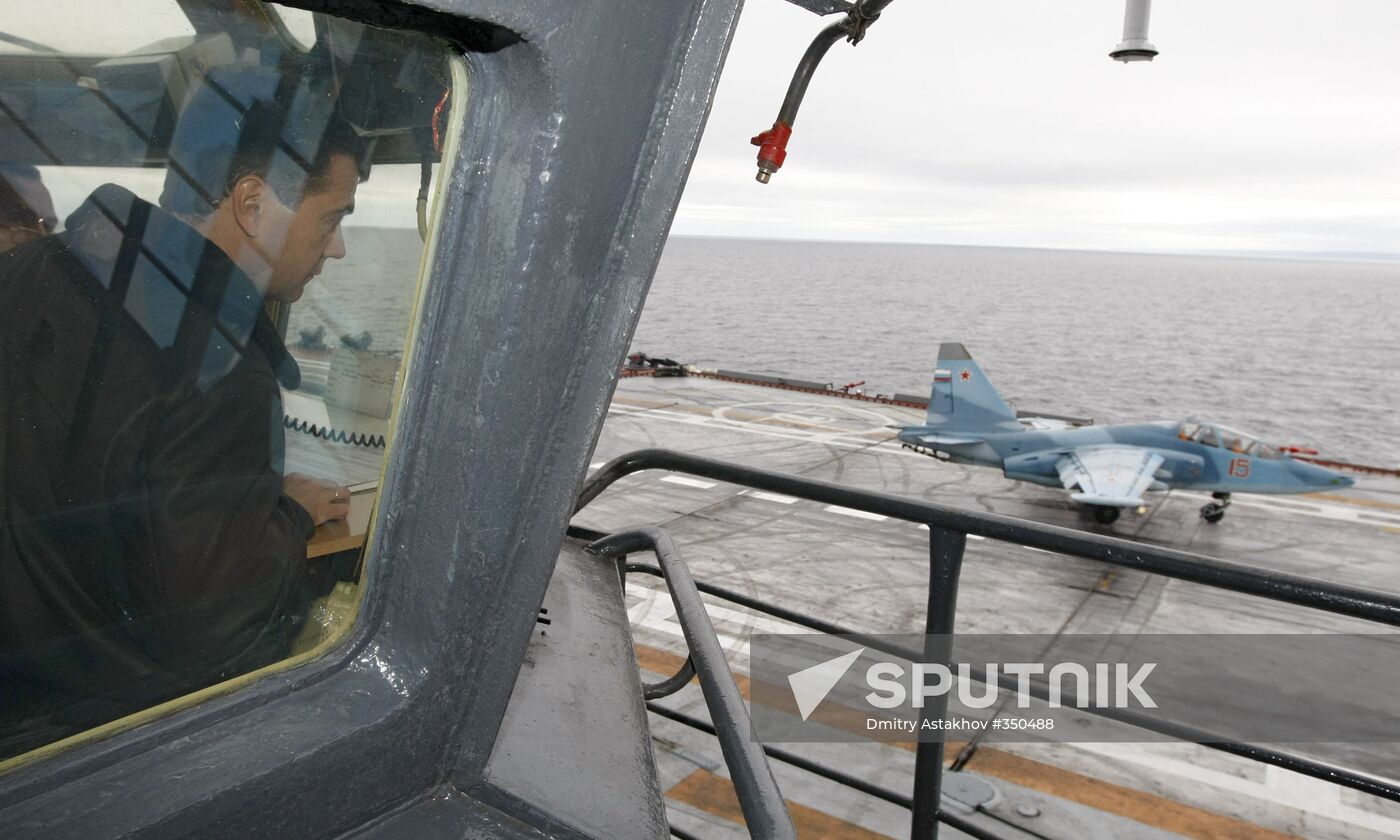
(571, 159)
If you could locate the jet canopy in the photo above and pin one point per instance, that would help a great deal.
(1225, 437)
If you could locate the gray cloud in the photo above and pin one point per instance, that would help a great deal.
(1262, 125)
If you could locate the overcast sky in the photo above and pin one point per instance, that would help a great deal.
(1264, 125)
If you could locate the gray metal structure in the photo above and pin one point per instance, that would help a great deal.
(489, 687)
(581, 122)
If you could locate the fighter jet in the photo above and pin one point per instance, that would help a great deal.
(1107, 468)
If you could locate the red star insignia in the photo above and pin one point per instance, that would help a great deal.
(966, 375)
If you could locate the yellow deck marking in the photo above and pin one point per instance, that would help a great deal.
(1116, 799)
(715, 795)
(1145, 808)
(829, 714)
(1350, 500)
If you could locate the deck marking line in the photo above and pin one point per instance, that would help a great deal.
(714, 795)
(772, 497)
(859, 514)
(596, 465)
(923, 527)
(688, 482)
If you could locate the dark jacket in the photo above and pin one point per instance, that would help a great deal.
(146, 548)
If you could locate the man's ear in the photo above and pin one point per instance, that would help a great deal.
(248, 201)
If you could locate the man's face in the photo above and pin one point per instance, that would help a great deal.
(310, 234)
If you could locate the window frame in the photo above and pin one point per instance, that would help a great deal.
(562, 231)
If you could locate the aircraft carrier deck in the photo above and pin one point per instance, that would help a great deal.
(870, 574)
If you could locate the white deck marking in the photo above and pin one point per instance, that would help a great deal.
(596, 465)
(688, 482)
(859, 514)
(1320, 510)
(656, 612)
(923, 527)
(772, 497)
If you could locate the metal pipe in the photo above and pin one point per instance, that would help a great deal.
(765, 812)
(1181, 565)
(684, 674)
(825, 772)
(1135, 47)
(1193, 567)
(945, 549)
(1210, 740)
(672, 684)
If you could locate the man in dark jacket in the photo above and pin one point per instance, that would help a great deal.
(150, 544)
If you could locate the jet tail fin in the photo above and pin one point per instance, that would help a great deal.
(963, 398)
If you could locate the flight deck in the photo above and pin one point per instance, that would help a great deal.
(870, 573)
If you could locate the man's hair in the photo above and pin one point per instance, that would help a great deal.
(263, 152)
(235, 127)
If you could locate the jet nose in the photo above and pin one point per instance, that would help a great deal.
(1324, 479)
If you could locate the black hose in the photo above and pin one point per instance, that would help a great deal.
(852, 27)
(334, 435)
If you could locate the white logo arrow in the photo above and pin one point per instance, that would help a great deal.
(811, 685)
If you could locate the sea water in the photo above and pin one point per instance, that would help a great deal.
(1298, 352)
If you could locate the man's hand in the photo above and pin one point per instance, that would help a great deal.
(324, 500)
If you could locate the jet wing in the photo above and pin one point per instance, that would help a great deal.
(1114, 476)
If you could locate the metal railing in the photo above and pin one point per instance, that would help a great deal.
(948, 531)
(764, 810)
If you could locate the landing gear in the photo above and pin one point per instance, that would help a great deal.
(1106, 515)
(1215, 511)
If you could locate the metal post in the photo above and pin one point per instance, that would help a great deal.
(945, 548)
(1135, 46)
(765, 810)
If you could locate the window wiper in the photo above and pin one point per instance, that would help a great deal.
(27, 44)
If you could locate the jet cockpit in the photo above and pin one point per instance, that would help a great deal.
(1224, 437)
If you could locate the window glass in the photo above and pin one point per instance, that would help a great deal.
(209, 255)
(69, 27)
(1237, 441)
(1206, 435)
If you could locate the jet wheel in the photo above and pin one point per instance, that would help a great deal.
(1215, 511)
(1106, 515)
